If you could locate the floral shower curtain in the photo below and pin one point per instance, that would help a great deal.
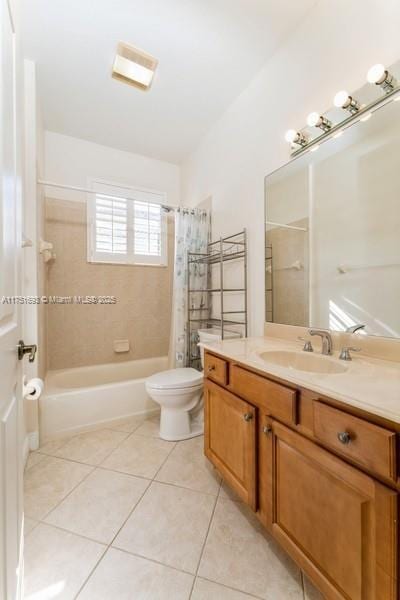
(191, 235)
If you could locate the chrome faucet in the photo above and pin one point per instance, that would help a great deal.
(354, 328)
(326, 340)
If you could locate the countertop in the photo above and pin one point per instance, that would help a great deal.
(370, 384)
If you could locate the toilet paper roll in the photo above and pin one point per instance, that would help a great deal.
(32, 390)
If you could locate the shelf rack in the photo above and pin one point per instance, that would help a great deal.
(201, 303)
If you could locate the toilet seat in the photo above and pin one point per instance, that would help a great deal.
(175, 379)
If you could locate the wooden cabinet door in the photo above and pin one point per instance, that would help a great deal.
(339, 524)
(230, 440)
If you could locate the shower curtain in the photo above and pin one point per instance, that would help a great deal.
(191, 235)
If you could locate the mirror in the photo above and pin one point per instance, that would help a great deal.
(332, 236)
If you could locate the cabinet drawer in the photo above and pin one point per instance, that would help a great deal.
(274, 399)
(369, 445)
(216, 369)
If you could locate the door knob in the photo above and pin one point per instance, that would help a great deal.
(248, 416)
(26, 349)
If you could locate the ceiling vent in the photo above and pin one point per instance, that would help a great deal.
(133, 66)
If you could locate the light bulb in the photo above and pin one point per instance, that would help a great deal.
(313, 119)
(376, 74)
(290, 135)
(341, 99)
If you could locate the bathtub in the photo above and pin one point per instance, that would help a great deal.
(84, 398)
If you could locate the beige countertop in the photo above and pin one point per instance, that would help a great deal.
(370, 384)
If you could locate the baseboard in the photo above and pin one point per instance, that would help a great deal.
(33, 438)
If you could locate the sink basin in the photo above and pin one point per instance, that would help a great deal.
(303, 361)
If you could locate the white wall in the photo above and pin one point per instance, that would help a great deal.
(332, 49)
(71, 161)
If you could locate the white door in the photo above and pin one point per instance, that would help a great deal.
(11, 418)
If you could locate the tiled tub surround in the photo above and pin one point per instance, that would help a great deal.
(83, 334)
(118, 513)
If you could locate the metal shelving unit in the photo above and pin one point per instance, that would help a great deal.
(201, 302)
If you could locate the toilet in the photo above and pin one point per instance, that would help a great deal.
(179, 392)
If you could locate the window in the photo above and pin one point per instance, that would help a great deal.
(131, 230)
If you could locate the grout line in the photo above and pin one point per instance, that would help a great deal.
(228, 587)
(68, 494)
(205, 540)
(110, 545)
(91, 573)
(153, 560)
(150, 481)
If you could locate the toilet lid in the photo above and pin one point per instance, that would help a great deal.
(175, 378)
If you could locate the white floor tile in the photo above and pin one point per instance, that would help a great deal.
(150, 427)
(33, 459)
(168, 525)
(48, 482)
(29, 524)
(92, 447)
(188, 467)
(207, 590)
(238, 554)
(99, 505)
(139, 455)
(57, 563)
(121, 576)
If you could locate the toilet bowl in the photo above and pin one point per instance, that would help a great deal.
(179, 392)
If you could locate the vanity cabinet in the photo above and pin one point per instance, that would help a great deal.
(230, 440)
(338, 523)
(331, 503)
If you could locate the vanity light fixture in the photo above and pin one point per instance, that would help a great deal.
(296, 137)
(347, 102)
(378, 75)
(134, 67)
(314, 119)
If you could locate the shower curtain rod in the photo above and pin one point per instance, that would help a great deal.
(74, 188)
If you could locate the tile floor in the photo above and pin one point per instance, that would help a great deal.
(118, 514)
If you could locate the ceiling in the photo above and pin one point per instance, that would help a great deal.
(208, 51)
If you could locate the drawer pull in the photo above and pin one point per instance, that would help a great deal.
(344, 437)
(248, 416)
(211, 368)
(267, 429)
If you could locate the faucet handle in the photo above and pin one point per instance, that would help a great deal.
(307, 344)
(345, 353)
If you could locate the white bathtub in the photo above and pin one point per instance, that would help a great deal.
(84, 398)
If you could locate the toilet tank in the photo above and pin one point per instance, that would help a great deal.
(213, 335)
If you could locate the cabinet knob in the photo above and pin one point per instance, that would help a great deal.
(267, 429)
(211, 368)
(248, 416)
(344, 437)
